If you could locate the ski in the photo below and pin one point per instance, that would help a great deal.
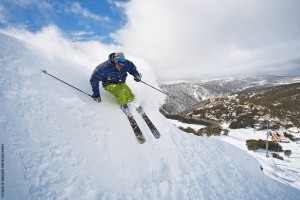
(136, 129)
(149, 123)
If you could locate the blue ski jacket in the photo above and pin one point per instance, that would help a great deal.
(109, 74)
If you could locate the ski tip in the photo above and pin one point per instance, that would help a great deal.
(141, 140)
(156, 135)
(44, 71)
(139, 109)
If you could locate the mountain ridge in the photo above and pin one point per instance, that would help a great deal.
(194, 92)
(244, 109)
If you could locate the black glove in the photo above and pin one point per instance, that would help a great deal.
(97, 98)
(138, 77)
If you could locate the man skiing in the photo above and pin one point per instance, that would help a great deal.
(113, 74)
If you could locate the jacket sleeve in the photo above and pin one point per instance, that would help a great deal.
(132, 69)
(96, 77)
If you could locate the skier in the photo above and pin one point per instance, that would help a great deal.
(113, 73)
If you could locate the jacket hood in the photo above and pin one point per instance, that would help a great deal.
(111, 58)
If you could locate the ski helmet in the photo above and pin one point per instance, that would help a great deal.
(120, 59)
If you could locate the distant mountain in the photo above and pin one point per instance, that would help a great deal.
(195, 92)
(245, 108)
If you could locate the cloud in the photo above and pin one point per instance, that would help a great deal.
(77, 9)
(200, 38)
(39, 3)
(187, 39)
(84, 36)
(53, 43)
(3, 19)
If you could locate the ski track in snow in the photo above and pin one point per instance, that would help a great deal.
(60, 144)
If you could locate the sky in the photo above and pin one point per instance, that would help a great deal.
(180, 39)
(78, 20)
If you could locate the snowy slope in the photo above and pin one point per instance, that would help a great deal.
(60, 144)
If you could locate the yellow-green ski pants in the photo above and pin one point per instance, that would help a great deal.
(121, 91)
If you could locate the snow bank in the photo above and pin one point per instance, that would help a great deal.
(60, 144)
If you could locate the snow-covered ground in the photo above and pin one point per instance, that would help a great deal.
(286, 171)
(57, 143)
(184, 125)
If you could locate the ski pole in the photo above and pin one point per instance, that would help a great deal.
(65, 83)
(187, 104)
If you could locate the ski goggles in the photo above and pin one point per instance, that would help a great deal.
(121, 61)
